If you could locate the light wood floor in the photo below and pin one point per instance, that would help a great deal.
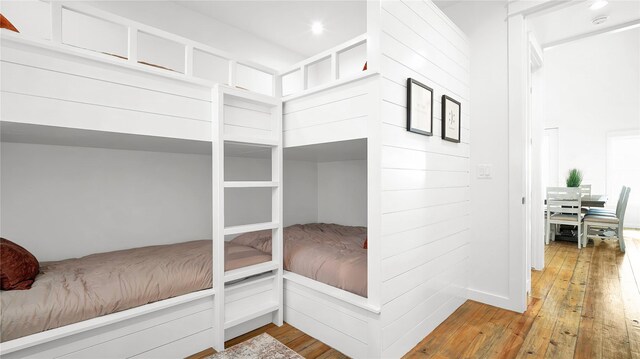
(584, 304)
(300, 342)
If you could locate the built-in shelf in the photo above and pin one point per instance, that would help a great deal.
(255, 312)
(250, 184)
(252, 140)
(246, 228)
(249, 271)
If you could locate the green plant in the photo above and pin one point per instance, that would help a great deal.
(574, 179)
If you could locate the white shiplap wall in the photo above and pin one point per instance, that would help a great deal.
(425, 180)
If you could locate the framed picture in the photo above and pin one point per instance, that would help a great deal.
(451, 111)
(419, 108)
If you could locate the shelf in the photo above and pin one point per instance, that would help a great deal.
(252, 140)
(246, 228)
(249, 271)
(256, 312)
(250, 184)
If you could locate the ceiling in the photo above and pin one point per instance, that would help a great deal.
(443, 4)
(576, 19)
(287, 23)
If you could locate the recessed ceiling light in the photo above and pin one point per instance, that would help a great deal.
(599, 20)
(598, 4)
(317, 28)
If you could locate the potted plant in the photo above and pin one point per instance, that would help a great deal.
(574, 179)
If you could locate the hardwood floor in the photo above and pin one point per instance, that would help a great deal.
(584, 304)
(300, 342)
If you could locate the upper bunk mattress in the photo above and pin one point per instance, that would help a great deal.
(329, 253)
(78, 289)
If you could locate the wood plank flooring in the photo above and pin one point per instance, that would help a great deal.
(300, 342)
(584, 304)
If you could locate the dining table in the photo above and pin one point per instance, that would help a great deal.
(594, 200)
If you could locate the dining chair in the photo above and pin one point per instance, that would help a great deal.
(607, 211)
(563, 207)
(585, 190)
(603, 222)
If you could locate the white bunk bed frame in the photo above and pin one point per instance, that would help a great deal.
(338, 110)
(88, 98)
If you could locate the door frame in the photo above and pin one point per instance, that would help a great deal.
(519, 69)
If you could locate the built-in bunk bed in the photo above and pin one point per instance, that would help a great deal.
(107, 154)
(330, 125)
(343, 113)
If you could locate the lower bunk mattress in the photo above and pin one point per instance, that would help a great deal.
(329, 253)
(73, 290)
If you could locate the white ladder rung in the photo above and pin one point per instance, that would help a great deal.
(250, 184)
(249, 271)
(250, 228)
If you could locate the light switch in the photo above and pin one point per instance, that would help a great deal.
(484, 171)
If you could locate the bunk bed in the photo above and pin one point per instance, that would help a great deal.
(55, 93)
(78, 289)
(60, 94)
(338, 116)
(329, 253)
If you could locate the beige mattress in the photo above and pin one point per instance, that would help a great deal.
(74, 290)
(328, 253)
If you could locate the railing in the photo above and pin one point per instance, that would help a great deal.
(229, 70)
(340, 64)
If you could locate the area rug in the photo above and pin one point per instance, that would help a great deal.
(263, 346)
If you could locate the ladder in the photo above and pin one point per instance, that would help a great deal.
(241, 117)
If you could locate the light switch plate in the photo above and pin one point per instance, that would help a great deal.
(484, 171)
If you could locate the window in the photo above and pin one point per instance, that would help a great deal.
(623, 169)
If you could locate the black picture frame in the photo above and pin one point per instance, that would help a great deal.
(448, 115)
(412, 121)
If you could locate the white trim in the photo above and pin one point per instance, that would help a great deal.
(249, 271)
(261, 310)
(530, 7)
(133, 28)
(98, 322)
(358, 40)
(331, 85)
(251, 140)
(250, 184)
(491, 299)
(607, 30)
(245, 228)
(342, 295)
(518, 65)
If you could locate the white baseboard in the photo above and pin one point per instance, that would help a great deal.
(492, 299)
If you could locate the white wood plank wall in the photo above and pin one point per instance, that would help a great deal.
(425, 180)
(46, 87)
(337, 114)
